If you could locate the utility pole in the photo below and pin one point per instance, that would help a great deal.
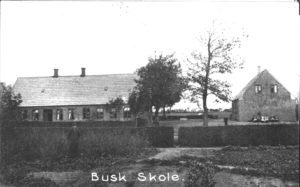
(299, 101)
(299, 6)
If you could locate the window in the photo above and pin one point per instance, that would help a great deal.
(24, 114)
(59, 114)
(71, 114)
(100, 113)
(86, 113)
(113, 113)
(127, 112)
(258, 88)
(274, 88)
(35, 115)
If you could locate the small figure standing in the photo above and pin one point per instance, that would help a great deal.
(73, 138)
(225, 121)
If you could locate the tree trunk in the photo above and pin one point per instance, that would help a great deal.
(150, 117)
(156, 116)
(207, 71)
(156, 112)
(164, 113)
(205, 112)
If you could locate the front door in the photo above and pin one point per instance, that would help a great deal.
(48, 115)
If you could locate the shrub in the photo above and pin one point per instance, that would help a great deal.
(35, 143)
(243, 135)
(200, 174)
(108, 141)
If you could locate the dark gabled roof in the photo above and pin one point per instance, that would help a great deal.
(73, 90)
(242, 92)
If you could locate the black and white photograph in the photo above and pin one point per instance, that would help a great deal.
(149, 93)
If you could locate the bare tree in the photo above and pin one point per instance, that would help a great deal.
(214, 56)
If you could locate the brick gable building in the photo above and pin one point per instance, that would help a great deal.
(74, 98)
(264, 96)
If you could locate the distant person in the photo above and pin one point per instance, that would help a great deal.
(226, 121)
(73, 138)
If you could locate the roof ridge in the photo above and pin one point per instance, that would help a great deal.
(73, 90)
(79, 75)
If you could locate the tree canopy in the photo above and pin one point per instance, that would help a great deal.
(160, 84)
(9, 103)
(117, 102)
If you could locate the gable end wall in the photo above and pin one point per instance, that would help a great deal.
(267, 103)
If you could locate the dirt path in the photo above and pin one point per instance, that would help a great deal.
(177, 152)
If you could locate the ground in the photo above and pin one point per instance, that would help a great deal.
(227, 166)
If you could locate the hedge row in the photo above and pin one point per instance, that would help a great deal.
(39, 142)
(75, 123)
(30, 143)
(160, 136)
(243, 135)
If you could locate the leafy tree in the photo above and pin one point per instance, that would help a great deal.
(160, 85)
(139, 101)
(117, 102)
(9, 103)
(215, 56)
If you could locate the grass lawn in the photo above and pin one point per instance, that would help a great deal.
(16, 173)
(281, 162)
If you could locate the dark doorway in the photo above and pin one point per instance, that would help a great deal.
(47, 115)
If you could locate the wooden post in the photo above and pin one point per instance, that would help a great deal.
(299, 100)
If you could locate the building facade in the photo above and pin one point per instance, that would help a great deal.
(74, 98)
(264, 96)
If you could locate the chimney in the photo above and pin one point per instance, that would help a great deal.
(55, 73)
(82, 72)
(258, 69)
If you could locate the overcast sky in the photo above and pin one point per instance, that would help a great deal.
(118, 37)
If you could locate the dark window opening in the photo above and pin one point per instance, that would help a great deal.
(258, 88)
(86, 113)
(24, 114)
(59, 114)
(113, 113)
(100, 113)
(47, 115)
(35, 115)
(71, 115)
(274, 88)
(127, 113)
